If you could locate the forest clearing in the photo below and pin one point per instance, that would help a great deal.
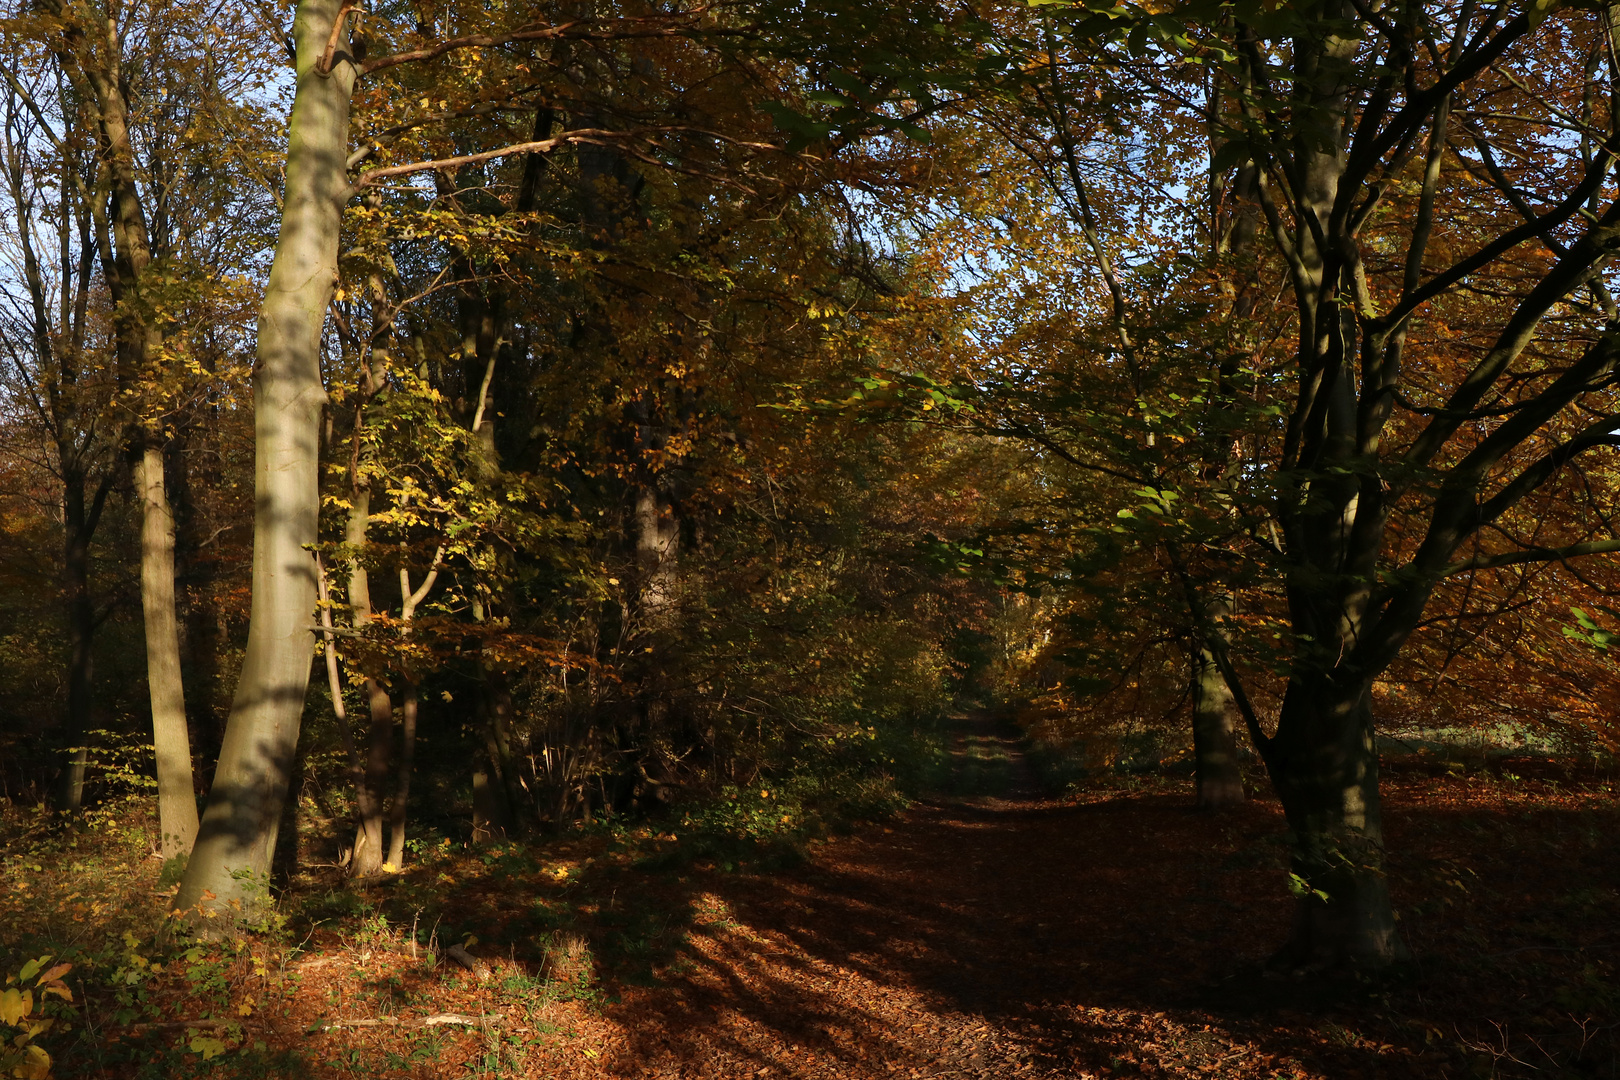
(763, 538)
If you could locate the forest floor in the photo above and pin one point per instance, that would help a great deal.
(992, 931)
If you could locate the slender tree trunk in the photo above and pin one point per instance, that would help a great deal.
(365, 806)
(177, 799)
(402, 796)
(126, 247)
(1220, 780)
(407, 749)
(196, 564)
(229, 868)
(81, 626)
(1324, 763)
(505, 762)
(489, 814)
(493, 807)
(369, 842)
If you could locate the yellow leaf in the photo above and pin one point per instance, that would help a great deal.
(35, 1065)
(15, 1005)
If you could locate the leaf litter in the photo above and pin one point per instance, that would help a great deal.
(991, 932)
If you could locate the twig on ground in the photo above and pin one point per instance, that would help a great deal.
(468, 961)
(437, 1020)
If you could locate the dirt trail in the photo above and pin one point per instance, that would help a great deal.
(990, 932)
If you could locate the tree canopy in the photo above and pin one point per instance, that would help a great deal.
(506, 416)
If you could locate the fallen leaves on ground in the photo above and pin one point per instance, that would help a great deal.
(1114, 932)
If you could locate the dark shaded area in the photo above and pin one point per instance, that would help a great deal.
(998, 934)
(993, 931)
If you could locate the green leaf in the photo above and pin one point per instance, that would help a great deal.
(1302, 888)
(208, 1046)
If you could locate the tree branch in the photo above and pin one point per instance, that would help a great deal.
(1535, 554)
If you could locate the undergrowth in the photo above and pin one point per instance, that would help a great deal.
(555, 917)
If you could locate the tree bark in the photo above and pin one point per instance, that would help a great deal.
(368, 838)
(402, 796)
(81, 625)
(171, 740)
(494, 808)
(229, 868)
(1215, 749)
(407, 746)
(1324, 763)
(369, 841)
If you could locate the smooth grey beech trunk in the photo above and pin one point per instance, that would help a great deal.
(228, 874)
(177, 801)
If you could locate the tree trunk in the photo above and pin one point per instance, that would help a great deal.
(1220, 781)
(504, 761)
(123, 236)
(407, 746)
(1324, 763)
(489, 814)
(81, 626)
(369, 841)
(368, 838)
(229, 868)
(494, 808)
(402, 796)
(177, 800)
(202, 625)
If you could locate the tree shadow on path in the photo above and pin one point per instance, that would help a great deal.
(969, 938)
(998, 932)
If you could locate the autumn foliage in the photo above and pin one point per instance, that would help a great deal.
(462, 464)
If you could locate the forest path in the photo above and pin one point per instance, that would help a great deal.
(989, 932)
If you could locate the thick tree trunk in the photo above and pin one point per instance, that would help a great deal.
(229, 868)
(1324, 763)
(1215, 748)
(177, 800)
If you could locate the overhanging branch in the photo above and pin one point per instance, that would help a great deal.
(1534, 554)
